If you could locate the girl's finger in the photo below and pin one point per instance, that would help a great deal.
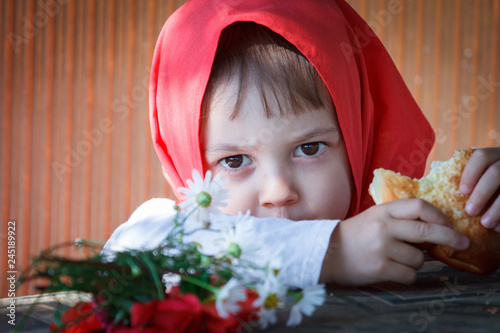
(423, 232)
(479, 161)
(491, 219)
(417, 209)
(406, 254)
(484, 190)
(396, 272)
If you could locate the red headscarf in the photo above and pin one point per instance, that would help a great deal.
(380, 121)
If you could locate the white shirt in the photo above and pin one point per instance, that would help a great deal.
(305, 242)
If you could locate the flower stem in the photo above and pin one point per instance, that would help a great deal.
(154, 274)
(198, 229)
(199, 283)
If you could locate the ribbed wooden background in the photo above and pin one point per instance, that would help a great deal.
(76, 156)
(448, 54)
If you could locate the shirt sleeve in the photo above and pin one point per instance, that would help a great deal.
(305, 242)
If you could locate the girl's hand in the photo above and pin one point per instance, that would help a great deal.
(374, 245)
(481, 179)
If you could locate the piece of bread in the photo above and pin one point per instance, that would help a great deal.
(441, 188)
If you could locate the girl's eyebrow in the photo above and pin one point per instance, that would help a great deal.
(318, 132)
(229, 147)
(225, 147)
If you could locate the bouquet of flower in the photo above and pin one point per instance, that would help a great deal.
(176, 287)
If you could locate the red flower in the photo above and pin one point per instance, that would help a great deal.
(248, 312)
(141, 313)
(80, 318)
(213, 323)
(135, 330)
(185, 314)
(181, 313)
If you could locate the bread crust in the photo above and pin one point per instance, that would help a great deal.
(441, 188)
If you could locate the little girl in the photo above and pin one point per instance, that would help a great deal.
(295, 103)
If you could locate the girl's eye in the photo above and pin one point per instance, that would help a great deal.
(234, 162)
(309, 149)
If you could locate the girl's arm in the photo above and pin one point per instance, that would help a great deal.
(304, 242)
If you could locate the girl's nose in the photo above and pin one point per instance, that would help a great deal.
(276, 190)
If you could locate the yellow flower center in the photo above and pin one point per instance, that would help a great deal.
(271, 301)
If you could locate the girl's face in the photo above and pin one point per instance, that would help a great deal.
(292, 166)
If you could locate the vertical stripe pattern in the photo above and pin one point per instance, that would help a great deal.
(76, 156)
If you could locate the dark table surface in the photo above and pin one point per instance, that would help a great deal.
(442, 300)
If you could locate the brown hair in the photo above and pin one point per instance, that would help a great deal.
(254, 54)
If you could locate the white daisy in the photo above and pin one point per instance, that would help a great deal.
(203, 197)
(271, 293)
(275, 264)
(234, 239)
(311, 297)
(267, 317)
(228, 298)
